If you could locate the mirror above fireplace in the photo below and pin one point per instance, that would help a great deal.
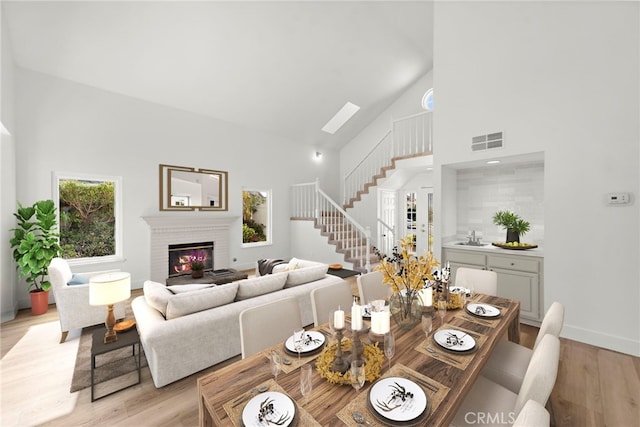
(189, 189)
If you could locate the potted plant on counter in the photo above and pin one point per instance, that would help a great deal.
(35, 244)
(515, 225)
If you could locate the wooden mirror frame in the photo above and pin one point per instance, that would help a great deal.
(167, 197)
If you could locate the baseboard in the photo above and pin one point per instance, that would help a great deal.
(598, 339)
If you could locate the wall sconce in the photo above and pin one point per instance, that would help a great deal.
(318, 156)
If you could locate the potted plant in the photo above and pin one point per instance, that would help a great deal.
(515, 225)
(35, 244)
(197, 269)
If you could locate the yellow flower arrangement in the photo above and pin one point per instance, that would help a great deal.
(373, 362)
(405, 271)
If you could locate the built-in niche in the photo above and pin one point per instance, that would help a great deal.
(189, 189)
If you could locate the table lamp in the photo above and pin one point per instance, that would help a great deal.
(108, 289)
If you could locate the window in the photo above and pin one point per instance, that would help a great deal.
(90, 217)
(427, 100)
(256, 217)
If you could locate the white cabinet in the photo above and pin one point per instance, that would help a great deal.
(519, 277)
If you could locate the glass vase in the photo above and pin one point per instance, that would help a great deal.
(406, 309)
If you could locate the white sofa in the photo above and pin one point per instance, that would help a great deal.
(178, 342)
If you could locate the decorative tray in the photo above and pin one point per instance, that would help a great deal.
(124, 326)
(520, 247)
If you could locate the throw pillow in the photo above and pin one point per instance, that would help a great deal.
(293, 264)
(203, 299)
(181, 289)
(78, 279)
(255, 286)
(306, 275)
(157, 296)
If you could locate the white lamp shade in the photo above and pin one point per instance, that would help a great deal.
(109, 288)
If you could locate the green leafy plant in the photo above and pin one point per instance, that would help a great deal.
(197, 266)
(511, 221)
(35, 243)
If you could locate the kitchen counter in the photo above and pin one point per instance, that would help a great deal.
(536, 252)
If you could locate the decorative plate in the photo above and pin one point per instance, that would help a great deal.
(454, 340)
(397, 399)
(520, 247)
(483, 310)
(312, 341)
(268, 409)
(366, 311)
(125, 325)
(335, 266)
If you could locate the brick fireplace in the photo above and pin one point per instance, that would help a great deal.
(175, 230)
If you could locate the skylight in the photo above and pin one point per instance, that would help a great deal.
(341, 117)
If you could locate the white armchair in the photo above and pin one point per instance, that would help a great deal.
(72, 301)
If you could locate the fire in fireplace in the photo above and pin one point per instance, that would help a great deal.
(182, 255)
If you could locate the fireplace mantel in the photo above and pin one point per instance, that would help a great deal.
(174, 229)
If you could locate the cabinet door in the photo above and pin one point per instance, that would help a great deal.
(521, 286)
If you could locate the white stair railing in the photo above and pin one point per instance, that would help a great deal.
(408, 136)
(352, 239)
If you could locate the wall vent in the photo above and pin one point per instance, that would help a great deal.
(486, 142)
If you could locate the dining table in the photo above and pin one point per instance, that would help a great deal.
(445, 377)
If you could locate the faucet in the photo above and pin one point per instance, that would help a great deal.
(472, 239)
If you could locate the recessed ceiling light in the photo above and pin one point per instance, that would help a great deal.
(341, 117)
(493, 162)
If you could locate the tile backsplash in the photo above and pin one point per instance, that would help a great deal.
(481, 192)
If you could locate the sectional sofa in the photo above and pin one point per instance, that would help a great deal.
(187, 328)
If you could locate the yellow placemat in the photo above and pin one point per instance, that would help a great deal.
(484, 321)
(435, 392)
(460, 361)
(295, 363)
(235, 406)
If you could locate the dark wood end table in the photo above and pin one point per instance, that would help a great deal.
(98, 347)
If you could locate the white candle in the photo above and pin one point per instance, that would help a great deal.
(426, 295)
(356, 317)
(338, 319)
(376, 322)
(386, 322)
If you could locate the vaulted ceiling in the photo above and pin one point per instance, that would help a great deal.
(279, 67)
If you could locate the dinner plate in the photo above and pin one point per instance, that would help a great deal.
(268, 409)
(397, 399)
(460, 289)
(454, 340)
(313, 341)
(483, 310)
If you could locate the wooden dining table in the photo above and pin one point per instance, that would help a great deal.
(446, 377)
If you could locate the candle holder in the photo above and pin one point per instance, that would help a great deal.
(357, 348)
(339, 364)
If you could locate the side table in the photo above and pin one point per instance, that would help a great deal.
(129, 338)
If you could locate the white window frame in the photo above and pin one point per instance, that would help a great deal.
(269, 221)
(117, 184)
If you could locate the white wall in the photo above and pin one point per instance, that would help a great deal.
(8, 300)
(560, 78)
(68, 127)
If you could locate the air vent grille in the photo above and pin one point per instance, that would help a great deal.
(486, 142)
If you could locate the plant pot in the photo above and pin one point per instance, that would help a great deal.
(196, 274)
(512, 235)
(406, 309)
(39, 302)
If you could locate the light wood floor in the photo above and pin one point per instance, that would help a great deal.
(595, 387)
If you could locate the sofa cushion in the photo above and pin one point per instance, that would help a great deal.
(249, 288)
(78, 279)
(198, 300)
(306, 275)
(181, 289)
(157, 296)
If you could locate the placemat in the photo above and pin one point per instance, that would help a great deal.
(295, 363)
(458, 360)
(484, 321)
(234, 409)
(435, 392)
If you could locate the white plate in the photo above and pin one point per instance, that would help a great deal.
(313, 341)
(483, 310)
(382, 393)
(283, 407)
(454, 340)
(366, 311)
(460, 289)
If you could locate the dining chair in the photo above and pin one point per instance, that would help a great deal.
(371, 288)
(508, 362)
(498, 404)
(329, 298)
(482, 281)
(532, 414)
(265, 325)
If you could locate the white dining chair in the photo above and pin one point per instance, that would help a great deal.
(371, 288)
(497, 404)
(482, 281)
(329, 298)
(532, 414)
(508, 362)
(265, 325)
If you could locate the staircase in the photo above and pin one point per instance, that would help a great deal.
(409, 137)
